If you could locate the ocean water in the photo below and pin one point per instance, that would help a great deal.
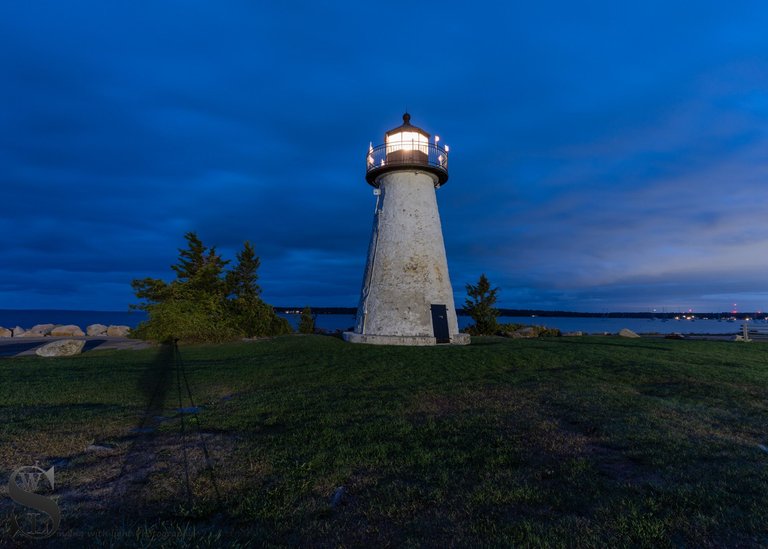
(588, 325)
(28, 318)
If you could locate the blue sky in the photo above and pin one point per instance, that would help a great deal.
(603, 156)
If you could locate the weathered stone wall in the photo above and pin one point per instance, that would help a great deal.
(407, 270)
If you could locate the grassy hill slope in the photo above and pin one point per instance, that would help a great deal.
(590, 441)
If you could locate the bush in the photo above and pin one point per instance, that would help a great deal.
(511, 327)
(507, 329)
(543, 331)
(279, 326)
(255, 318)
(192, 320)
(307, 324)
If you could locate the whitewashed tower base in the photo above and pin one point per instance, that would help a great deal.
(407, 297)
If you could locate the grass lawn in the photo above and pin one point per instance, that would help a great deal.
(592, 442)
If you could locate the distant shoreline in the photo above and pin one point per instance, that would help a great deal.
(141, 315)
(560, 314)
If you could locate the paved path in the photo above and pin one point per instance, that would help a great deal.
(25, 346)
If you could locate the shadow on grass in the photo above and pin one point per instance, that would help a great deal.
(138, 462)
(155, 382)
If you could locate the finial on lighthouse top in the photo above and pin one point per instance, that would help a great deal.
(406, 148)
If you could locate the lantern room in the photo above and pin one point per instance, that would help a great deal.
(407, 147)
(406, 141)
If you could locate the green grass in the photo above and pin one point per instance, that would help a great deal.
(590, 442)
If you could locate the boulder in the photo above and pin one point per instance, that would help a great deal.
(70, 330)
(39, 330)
(5, 332)
(525, 332)
(61, 347)
(625, 332)
(338, 497)
(118, 331)
(96, 330)
(101, 448)
(18, 331)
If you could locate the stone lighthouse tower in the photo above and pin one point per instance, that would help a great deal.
(407, 297)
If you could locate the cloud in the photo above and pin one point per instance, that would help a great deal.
(603, 156)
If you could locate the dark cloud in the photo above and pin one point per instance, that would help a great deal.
(604, 156)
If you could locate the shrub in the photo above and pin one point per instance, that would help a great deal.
(204, 319)
(307, 323)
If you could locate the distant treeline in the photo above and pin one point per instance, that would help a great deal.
(536, 312)
(319, 310)
(670, 315)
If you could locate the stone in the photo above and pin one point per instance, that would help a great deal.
(373, 339)
(118, 331)
(101, 449)
(61, 347)
(338, 496)
(626, 332)
(18, 331)
(70, 330)
(5, 332)
(525, 332)
(96, 330)
(39, 330)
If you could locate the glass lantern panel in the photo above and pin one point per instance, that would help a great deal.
(407, 141)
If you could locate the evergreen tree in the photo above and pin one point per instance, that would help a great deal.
(241, 280)
(479, 304)
(307, 323)
(152, 290)
(191, 260)
(199, 269)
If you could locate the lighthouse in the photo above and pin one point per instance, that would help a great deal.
(406, 298)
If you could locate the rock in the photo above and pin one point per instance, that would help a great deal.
(625, 332)
(118, 331)
(5, 332)
(39, 330)
(18, 331)
(523, 333)
(61, 347)
(338, 496)
(101, 448)
(96, 330)
(70, 330)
